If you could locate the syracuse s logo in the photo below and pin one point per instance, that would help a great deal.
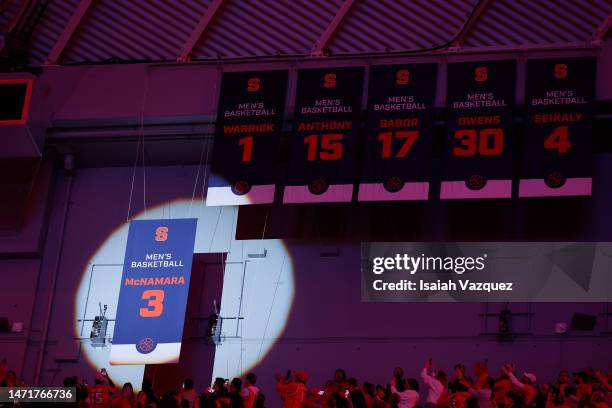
(329, 81)
(161, 234)
(481, 74)
(254, 84)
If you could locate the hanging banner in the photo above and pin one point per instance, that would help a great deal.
(478, 150)
(558, 139)
(248, 129)
(327, 109)
(397, 155)
(154, 290)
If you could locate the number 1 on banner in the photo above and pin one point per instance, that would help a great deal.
(386, 138)
(247, 148)
(155, 305)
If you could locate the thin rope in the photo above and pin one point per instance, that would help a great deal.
(263, 337)
(212, 239)
(195, 184)
(127, 218)
(144, 166)
(263, 233)
(204, 179)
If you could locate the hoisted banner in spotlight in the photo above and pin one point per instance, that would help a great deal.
(154, 290)
(247, 135)
(327, 109)
(478, 150)
(558, 138)
(397, 155)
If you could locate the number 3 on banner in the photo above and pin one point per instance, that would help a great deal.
(155, 305)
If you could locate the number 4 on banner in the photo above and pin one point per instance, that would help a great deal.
(559, 140)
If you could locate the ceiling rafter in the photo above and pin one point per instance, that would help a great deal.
(69, 30)
(198, 31)
(601, 31)
(331, 28)
(458, 42)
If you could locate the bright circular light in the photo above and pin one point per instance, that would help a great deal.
(258, 287)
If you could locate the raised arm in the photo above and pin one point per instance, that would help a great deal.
(426, 377)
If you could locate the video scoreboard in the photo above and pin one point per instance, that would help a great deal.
(344, 145)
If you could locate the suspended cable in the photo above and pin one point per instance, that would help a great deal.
(195, 184)
(263, 337)
(127, 218)
(144, 166)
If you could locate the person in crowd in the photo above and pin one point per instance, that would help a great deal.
(250, 392)
(456, 394)
(481, 392)
(583, 385)
(147, 388)
(436, 385)
(210, 397)
(481, 375)
(142, 400)
(3, 369)
(100, 393)
(408, 398)
(356, 399)
(189, 394)
(235, 394)
(292, 389)
(352, 384)
(525, 388)
(381, 397)
(398, 373)
(325, 397)
(340, 380)
(169, 400)
(501, 389)
(10, 380)
(369, 393)
(394, 401)
(125, 399)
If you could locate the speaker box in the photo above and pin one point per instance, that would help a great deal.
(583, 322)
(5, 327)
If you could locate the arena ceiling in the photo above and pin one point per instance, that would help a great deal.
(103, 31)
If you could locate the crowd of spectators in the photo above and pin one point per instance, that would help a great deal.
(478, 388)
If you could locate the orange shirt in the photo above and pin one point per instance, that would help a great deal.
(99, 396)
(123, 402)
(292, 394)
(501, 390)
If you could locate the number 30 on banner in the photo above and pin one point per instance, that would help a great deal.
(155, 304)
